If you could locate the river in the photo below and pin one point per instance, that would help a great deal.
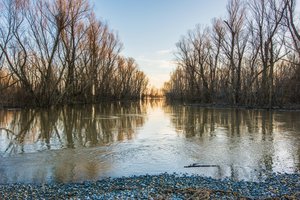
(90, 142)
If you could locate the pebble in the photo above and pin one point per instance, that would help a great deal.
(163, 186)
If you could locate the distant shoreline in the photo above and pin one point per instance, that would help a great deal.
(287, 107)
(225, 106)
(163, 186)
(291, 107)
(105, 101)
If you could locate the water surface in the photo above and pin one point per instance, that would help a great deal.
(73, 144)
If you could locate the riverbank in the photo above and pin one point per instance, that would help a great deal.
(284, 107)
(163, 186)
(292, 107)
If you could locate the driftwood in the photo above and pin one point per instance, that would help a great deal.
(199, 165)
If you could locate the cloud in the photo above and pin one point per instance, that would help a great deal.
(156, 63)
(158, 70)
(164, 52)
(157, 66)
(158, 80)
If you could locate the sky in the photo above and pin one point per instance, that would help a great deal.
(150, 29)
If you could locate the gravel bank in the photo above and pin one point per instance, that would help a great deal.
(163, 186)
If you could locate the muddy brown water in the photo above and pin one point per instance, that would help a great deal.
(74, 144)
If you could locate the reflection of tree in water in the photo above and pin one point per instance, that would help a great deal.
(71, 127)
(201, 122)
(20, 123)
(240, 126)
(48, 128)
(154, 102)
(193, 121)
(108, 123)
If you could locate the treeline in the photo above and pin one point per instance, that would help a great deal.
(56, 52)
(252, 57)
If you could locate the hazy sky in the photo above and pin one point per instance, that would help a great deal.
(149, 29)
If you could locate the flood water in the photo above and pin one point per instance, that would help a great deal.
(74, 144)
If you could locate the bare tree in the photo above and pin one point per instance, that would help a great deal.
(267, 16)
(46, 22)
(56, 51)
(291, 24)
(14, 48)
(76, 12)
(6, 35)
(202, 47)
(187, 60)
(235, 44)
(243, 61)
(129, 81)
(217, 37)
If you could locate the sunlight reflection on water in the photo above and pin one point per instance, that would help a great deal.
(122, 139)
